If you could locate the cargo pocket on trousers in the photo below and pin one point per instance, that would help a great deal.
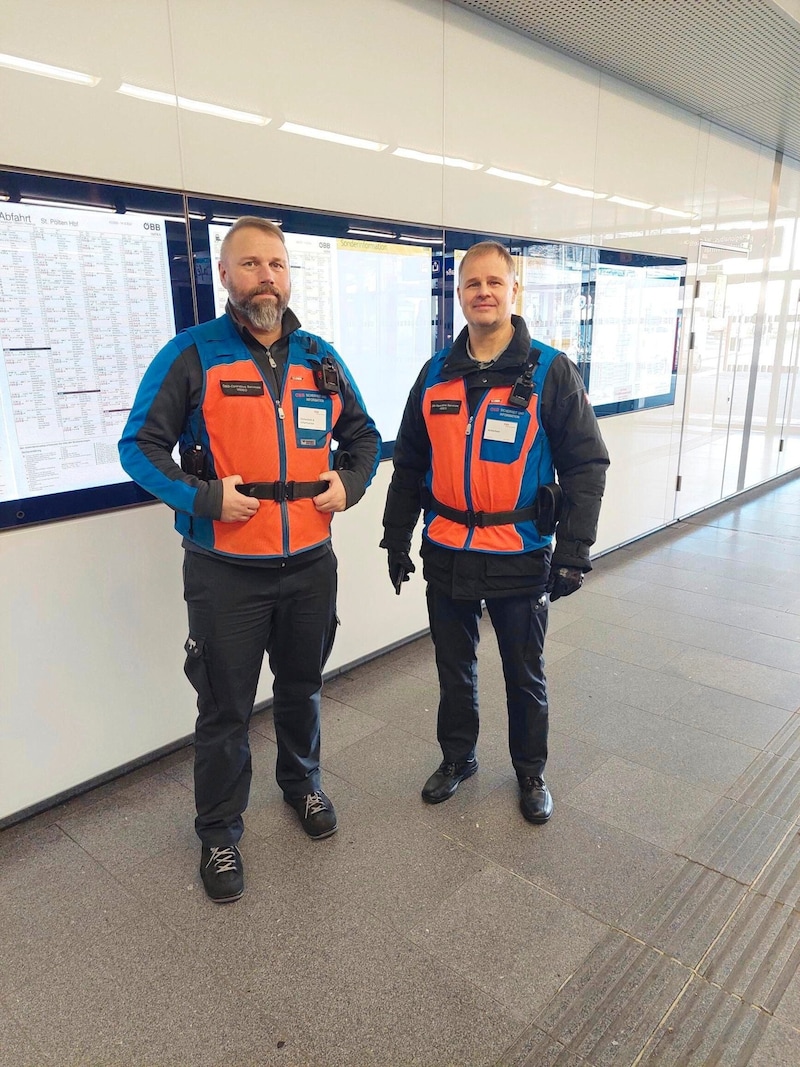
(195, 666)
(326, 652)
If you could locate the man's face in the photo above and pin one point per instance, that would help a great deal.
(486, 291)
(255, 271)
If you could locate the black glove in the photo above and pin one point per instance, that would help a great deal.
(400, 567)
(564, 581)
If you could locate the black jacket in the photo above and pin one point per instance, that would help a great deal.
(579, 455)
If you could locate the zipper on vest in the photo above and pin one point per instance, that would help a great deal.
(468, 464)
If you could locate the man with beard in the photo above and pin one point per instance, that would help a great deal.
(254, 404)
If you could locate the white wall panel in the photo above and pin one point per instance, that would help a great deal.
(367, 70)
(518, 107)
(47, 124)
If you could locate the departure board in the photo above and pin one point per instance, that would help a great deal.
(85, 302)
(634, 332)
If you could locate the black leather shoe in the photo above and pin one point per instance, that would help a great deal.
(222, 871)
(535, 801)
(444, 782)
(316, 814)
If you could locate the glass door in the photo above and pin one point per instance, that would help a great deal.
(716, 379)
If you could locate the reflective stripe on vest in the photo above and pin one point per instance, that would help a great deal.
(247, 436)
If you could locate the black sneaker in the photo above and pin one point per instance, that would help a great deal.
(316, 814)
(222, 871)
(444, 781)
(535, 801)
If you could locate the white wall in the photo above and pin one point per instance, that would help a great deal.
(92, 632)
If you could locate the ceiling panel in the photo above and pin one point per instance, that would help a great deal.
(734, 62)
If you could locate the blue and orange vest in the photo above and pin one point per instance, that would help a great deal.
(493, 460)
(245, 430)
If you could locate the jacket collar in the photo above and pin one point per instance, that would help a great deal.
(458, 364)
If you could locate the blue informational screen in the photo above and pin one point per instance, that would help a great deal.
(95, 278)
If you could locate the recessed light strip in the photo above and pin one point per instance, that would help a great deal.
(337, 138)
(30, 66)
(155, 96)
(431, 157)
(516, 176)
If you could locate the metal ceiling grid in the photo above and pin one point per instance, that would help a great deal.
(733, 62)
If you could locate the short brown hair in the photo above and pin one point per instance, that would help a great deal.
(252, 222)
(481, 249)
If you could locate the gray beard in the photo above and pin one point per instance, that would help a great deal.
(260, 313)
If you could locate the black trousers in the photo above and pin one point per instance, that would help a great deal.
(236, 613)
(520, 623)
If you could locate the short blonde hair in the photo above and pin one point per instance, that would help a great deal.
(251, 222)
(481, 249)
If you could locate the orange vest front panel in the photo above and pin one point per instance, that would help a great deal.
(247, 437)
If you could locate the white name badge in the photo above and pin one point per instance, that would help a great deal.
(311, 419)
(500, 430)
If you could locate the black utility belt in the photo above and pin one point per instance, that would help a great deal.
(544, 512)
(281, 491)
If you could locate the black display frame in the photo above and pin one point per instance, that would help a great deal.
(188, 216)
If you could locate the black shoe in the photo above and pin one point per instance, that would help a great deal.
(444, 782)
(535, 801)
(222, 871)
(316, 814)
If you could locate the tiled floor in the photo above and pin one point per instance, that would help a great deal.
(654, 921)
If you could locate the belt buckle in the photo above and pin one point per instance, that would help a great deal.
(288, 490)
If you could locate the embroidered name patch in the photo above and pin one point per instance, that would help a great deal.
(242, 388)
(445, 407)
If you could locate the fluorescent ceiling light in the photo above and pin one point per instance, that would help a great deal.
(385, 234)
(60, 204)
(154, 96)
(514, 176)
(30, 66)
(428, 157)
(676, 214)
(338, 138)
(573, 190)
(629, 203)
(421, 240)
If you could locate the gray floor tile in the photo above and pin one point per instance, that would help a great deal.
(133, 823)
(585, 676)
(385, 695)
(388, 762)
(508, 938)
(709, 1026)
(683, 909)
(380, 1000)
(737, 841)
(767, 685)
(699, 633)
(757, 955)
(771, 784)
(615, 1000)
(780, 878)
(621, 642)
(643, 802)
(575, 856)
(772, 652)
(18, 1048)
(739, 719)
(660, 743)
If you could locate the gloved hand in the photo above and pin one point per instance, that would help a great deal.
(564, 581)
(400, 567)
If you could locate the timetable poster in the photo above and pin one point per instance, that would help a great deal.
(633, 332)
(371, 300)
(85, 303)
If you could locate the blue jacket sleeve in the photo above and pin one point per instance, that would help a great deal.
(168, 392)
